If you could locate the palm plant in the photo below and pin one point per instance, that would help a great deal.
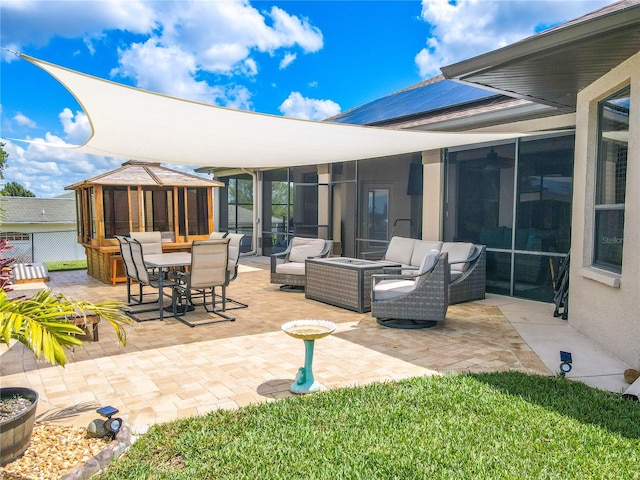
(46, 323)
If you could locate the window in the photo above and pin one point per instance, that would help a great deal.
(15, 236)
(611, 179)
(122, 212)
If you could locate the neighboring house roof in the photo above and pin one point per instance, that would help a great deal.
(29, 210)
(554, 65)
(146, 174)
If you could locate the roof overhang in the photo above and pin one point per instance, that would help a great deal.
(553, 66)
(130, 123)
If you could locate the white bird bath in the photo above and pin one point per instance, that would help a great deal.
(309, 331)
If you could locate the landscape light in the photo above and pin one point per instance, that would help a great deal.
(565, 362)
(112, 425)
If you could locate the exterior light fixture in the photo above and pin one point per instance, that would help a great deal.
(112, 425)
(565, 363)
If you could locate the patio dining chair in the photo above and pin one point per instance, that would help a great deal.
(151, 241)
(130, 270)
(232, 265)
(209, 270)
(145, 278)
(217, 235)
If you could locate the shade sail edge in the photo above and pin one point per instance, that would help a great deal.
(135, 124)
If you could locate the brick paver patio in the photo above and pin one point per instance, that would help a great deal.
(168, 370)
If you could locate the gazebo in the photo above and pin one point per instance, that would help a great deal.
(140, 197)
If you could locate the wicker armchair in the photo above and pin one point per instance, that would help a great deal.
(412, 300)
(288, 268)
(468, 277)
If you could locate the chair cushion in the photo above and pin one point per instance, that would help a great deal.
(388, 289)
(428, 262)
(290, 268)
(458, 252)
(400, 250)
(301, 248)
(421, 248)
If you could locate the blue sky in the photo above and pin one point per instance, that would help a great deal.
(304, 59)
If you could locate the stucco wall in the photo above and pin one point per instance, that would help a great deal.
(432, 195)
(603, 305)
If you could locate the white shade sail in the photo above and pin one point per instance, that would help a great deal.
(136, 124)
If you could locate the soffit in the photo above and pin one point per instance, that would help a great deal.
(553, 66)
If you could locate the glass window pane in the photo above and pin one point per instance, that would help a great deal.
(480, 196)
(534, 276)
(609, 238)
(611, 180)
(545, 189)
(499, 273)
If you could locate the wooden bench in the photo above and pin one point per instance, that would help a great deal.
(30, 272)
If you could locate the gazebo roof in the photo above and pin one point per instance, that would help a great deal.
(146, 174)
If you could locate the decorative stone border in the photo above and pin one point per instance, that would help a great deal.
(115, 449)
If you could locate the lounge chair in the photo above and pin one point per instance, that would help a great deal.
(288, 268)
(412, 299)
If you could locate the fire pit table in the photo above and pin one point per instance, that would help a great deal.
(342, 281)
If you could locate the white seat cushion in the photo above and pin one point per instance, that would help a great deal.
(301, 248)
(290, 268)
(421, 248)
(458, 252)
(388, 289)
(455, 275)
(400, 250)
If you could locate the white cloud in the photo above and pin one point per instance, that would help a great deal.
(288, 59)
(215, 38)
(184, 44)
(24, 121)
(466, 28)
(47, 164)
(76, 126)
(297, 106)
(35, 22)
(46, 170)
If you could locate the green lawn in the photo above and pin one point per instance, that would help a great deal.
(476, 426)
(66, 265)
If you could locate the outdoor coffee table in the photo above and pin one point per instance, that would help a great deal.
(342, 281)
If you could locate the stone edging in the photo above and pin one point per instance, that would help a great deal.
(113, 450)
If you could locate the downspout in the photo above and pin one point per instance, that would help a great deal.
(257, 201)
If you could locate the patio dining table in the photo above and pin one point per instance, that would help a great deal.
(165, 262)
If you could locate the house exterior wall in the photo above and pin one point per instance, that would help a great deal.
(432, 208)
(603, 305)
(48, 243)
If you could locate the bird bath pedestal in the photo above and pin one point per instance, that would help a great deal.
(309, 331)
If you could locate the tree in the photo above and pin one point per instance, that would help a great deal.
(47, 322)
(14, 189)
(3, 159)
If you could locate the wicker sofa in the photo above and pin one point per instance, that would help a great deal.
(467, 262)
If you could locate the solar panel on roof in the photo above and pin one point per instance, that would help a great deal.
(426, 98)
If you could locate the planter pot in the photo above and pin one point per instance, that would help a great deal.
(15, 433)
